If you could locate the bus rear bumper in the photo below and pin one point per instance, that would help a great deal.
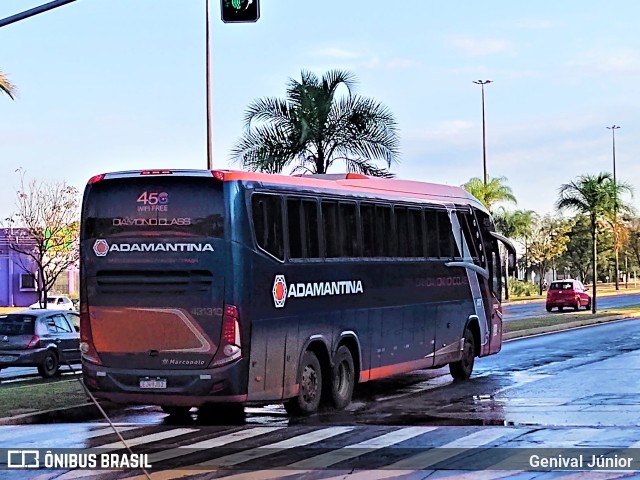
(168, 387)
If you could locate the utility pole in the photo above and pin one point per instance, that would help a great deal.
(613, 129)
(208, 81)
(485, 179)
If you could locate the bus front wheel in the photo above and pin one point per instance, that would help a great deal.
(461, 370)
(343, 378)
(309, 387)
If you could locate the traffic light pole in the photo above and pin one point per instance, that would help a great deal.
(34, 11)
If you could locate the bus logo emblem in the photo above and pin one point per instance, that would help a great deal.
(101, 247)
(279, 291)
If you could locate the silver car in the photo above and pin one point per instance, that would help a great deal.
(56, 302)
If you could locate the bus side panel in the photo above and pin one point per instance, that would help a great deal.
(267, 359)
(370, 329)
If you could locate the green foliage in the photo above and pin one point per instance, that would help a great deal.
(494, 191)
(7, 87)
(519, 288)
(312, 129)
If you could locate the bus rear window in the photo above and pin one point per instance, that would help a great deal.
(179, 206)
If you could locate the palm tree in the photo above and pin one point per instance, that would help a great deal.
(490, 193)
(597, 197)
(313, 128)
(6, 86)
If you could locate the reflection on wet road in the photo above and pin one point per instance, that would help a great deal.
(574, 389)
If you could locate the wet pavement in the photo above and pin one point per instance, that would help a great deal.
(575, 390)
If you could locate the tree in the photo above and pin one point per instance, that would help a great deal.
(578, 249)
(515, 225)
(45, 230)
(494, 191)
(549, 241)
(595, 196)
(7, 87)
(313, 128)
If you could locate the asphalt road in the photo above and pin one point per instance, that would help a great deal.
(536, 308)
(571, 389)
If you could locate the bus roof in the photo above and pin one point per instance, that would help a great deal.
(351, 182)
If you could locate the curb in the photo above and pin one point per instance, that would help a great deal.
(74, 413)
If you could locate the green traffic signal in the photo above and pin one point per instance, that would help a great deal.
(239, 11)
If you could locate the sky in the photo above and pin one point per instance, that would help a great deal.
(110, 85)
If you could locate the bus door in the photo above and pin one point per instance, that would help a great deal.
(467, 236)
(492, 286)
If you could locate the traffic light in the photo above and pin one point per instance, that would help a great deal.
(239, 11)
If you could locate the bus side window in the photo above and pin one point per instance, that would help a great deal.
(302, 215)
(402, 234)
(416, 230)
(330, 227)
(384, 232)
(431, 225)
(267, 221)
(367, 218)
(296, 232)
(310, 225)
(349, 245)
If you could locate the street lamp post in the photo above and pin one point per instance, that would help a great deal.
(613, 129)
(208, 86)
(482, 83)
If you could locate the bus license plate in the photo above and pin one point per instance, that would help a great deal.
(153, 383)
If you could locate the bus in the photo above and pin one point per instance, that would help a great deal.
(203, 287)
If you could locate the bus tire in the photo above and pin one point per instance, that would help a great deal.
(343, 380)
(461, 370)
(309, 387)
(176, 411)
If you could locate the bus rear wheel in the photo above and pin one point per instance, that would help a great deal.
(309, 387)
(461, 370)
(343, 378)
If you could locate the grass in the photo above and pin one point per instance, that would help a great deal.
(556, 319)
(16, 399)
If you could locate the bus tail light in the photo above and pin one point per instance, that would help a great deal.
(96, 179)
(229, 349)
(87, 348)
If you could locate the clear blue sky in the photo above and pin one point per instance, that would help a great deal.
(120, 84)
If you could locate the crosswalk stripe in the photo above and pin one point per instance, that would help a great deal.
(451, 475)
(153, 437)
(432, 456)
(211, 443)
(351, 451)
(338, 455)
(132, 442)
(265, 450)
(251, 453)
(107, 431)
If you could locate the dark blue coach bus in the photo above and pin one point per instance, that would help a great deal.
(201, 287)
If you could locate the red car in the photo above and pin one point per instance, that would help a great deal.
(568, 293)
